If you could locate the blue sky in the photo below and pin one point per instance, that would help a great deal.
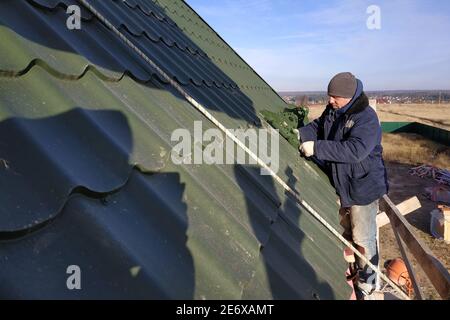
(301, 44)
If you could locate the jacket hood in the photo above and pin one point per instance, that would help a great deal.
(358, 93)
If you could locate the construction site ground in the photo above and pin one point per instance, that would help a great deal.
(402, 187)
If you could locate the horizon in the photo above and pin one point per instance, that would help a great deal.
(379, 90)
(299, 46)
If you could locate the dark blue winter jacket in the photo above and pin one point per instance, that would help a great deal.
(348, 144)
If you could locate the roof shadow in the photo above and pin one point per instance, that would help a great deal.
(290, 276)
(70, 197)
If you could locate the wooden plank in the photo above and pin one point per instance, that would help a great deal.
(438, 275)
(378, 279)
(446, 212)
(411, 273)
(405, 207)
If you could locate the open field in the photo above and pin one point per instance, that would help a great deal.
(431, 114)
(413, 149)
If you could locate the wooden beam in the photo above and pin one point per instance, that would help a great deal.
(435, 271)
(405, 207)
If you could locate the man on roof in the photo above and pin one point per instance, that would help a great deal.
(346, 140)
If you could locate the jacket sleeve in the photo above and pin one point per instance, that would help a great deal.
(311, 130)
(363, 138)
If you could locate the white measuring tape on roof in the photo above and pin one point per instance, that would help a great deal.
(260, 162)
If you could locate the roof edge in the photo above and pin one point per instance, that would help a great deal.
(218, 35)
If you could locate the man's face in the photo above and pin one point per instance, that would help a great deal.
(338, 102)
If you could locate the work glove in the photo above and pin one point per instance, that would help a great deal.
(307, 148)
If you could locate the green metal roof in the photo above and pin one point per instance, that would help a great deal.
(86, 176)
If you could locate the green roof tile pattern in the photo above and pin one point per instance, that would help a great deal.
(86, 176)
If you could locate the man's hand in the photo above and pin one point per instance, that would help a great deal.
(307, 148)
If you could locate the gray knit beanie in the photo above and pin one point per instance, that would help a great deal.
(342, 85)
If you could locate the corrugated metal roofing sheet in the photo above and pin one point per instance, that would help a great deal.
(86, 176)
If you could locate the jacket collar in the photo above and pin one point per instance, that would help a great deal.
(360, 104)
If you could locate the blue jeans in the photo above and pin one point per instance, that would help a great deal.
(360, 227)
